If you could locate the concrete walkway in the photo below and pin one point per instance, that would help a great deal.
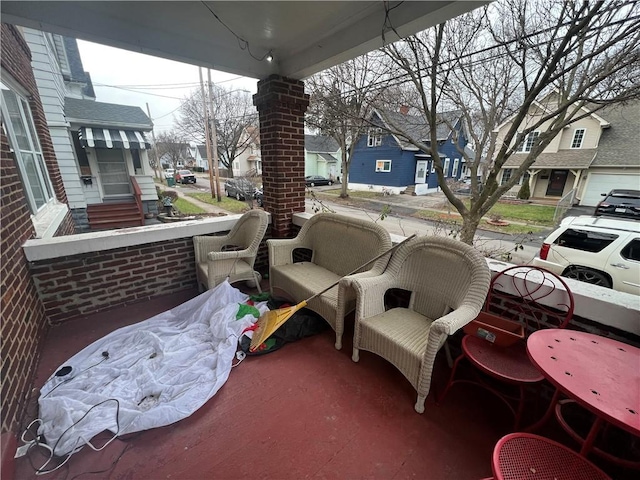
(182, 193)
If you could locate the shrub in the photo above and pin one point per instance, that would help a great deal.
(524, 192)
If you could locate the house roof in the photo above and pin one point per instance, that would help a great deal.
(417, 127)
(75, 66)
(320, 144)
(88, 112)
(328, 157)
(203, 150)
(541, 105)
(578, 159)
(619, 145)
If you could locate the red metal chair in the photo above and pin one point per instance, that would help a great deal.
(529, 296)
(520, 456)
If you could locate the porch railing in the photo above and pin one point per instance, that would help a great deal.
(564, 204)
(137, 194)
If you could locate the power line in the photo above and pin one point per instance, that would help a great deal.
(242, 42)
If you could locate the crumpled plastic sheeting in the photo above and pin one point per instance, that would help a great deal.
(160, 370)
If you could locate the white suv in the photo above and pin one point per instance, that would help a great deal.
(598, 250)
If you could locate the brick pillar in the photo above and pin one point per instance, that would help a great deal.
(281, 104)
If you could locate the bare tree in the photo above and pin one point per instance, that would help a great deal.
(171, 148)
(534, 64)
(234, 113)
(341, 99)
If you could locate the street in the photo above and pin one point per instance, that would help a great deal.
(400, 222)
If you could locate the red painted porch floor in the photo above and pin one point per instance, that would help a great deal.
(305, 411)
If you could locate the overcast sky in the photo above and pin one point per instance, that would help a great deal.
(145, 79)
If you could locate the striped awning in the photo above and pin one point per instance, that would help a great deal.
(112, 138)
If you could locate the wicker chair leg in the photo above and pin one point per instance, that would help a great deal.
(256, 277)
(356, 355)
(419, 406)
(338, 342)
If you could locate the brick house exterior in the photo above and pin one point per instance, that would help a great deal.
(23, 316)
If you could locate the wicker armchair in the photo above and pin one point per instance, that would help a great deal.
(232, 255)
(337, 245)
(448, 281)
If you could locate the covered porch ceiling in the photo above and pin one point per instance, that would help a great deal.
(304, 37)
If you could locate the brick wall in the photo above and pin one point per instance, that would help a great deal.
(281, 104)
(23, 320)
(76, 285)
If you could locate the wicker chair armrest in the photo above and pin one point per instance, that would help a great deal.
(205, 244)
(370, 293)
(281, 250)
(455, 320)
(232, 254)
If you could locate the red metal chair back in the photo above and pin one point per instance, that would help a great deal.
(532, 296)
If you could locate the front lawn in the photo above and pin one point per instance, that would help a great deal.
(354, 193)
(526, 212)
(186, 207)
(229, 204)
(512, 229)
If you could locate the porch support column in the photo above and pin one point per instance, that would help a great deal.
(281, 104)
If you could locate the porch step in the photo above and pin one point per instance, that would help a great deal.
(107, 216)
(410, 190)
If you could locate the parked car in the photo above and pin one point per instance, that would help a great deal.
(169, 173)
(599, 250)
(184, 176)
(259, 197)
(620, 203)
(313, 180)
(239, 188)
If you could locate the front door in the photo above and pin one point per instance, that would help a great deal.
(421, 171)
(113, 174)
(557, 179)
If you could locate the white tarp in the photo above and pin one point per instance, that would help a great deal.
(154, 373)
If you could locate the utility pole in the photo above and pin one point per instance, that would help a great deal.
(207, 135)
(215, 134)
(155, 150)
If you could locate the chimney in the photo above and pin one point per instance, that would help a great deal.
(404, 109)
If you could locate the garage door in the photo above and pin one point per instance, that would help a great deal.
(603, 183)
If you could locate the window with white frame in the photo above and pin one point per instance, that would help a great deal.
(506, 175)
(383, 165)
(528, 142)
(21, 133)
(374, 137)
(578, 137)
(456, 162)
(447, 161)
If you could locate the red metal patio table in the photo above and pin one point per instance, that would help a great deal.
(600, 374)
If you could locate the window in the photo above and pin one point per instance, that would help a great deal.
(632, 250)
(578, 137)
(454, 172)
(383, 165)
(585, 240)
(375, 137)
(433, 166)
(446, 166)
(22, 137)
(506, 175)
(528, 142)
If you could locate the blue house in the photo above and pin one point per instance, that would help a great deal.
(384, 162)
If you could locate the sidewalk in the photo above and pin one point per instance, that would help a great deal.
(205, 206)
